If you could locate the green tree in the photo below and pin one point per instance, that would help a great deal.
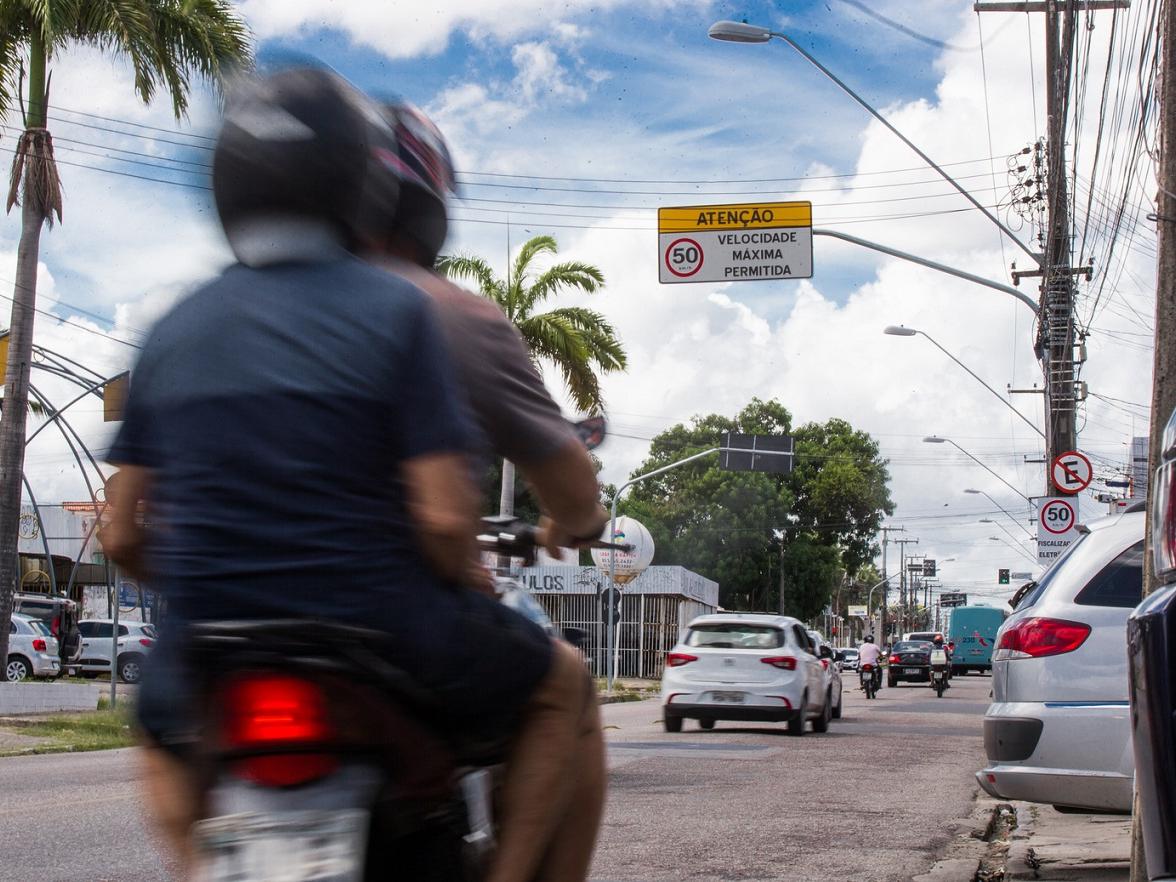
(579, 343)
(167, 43)
(752, 532)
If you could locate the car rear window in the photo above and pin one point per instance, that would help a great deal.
(1119, 584)
(912, 646)
(149, 630)
(40, 627)
(735, 636)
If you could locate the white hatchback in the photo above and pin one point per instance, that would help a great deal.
(745, 666)
(1058, 730)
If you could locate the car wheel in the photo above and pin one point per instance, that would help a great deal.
(796, 724)
(19, 668)
(672, 724)
(130, 668)
(90, 675)
(821, 723)
(706, 724)
(837, 709)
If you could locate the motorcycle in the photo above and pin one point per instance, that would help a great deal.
(869, 680)
(319, 762)
(939, 671)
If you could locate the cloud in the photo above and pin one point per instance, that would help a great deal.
(540, 75)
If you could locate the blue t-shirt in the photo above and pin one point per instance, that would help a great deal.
(275, 407)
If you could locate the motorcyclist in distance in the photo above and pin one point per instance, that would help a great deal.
(543, 819)
(299, 418)
(870, 654)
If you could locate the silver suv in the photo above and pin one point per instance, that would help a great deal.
(1059, 730)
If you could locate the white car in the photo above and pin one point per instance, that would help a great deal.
(828, 658)
(1059, 730)
(32, 650)
(745, 666)
(848, 658)
(135, 640)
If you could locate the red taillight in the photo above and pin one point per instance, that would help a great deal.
(274, 712)
(1164, 520)
(867, 667)
(1038, 637)
(783, 662)
(146, 641)
(825, 663)
(894, 659)
(39, 645)
(677, 659)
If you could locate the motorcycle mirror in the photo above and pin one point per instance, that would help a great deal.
(591, 431)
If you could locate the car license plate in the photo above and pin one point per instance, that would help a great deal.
(912, 670)
(301, 846)
(727, 697)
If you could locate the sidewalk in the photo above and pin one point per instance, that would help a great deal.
(1020, 841)
(1069, 848)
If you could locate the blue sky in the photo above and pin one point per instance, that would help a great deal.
(579, 119)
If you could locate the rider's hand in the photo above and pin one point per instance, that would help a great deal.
(480, 579)
(554, 537)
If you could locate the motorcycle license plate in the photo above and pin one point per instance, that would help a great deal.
(727, 697)
(911, 671)
(301, 846)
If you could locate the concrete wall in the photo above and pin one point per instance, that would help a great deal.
(37, 698)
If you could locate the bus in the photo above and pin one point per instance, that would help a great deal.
(973, 631)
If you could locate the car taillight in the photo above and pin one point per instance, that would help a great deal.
(1038, 637)
(39, 645)
(278, 713)
(677, 659)
(1164, 521)
(894, 659)
(146, 641)
(783, 662)
(825, 663)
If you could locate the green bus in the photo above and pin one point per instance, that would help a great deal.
(973, 631)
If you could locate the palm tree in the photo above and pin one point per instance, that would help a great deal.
(578, 342)
(167, 42)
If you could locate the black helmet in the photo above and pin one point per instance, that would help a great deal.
(869, 638)
(421, 166)
(298, 143)
(937, 639)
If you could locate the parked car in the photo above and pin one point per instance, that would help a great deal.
(135, 640)
(1058, 730)
(32, 650)
(745, 666)
(910, 662)
(60, 616)
(828, 658)
(848, 658)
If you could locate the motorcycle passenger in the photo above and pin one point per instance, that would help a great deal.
(870, 654)
(298, 418)
(522, 423)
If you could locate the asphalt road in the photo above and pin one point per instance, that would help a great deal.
(871, 800)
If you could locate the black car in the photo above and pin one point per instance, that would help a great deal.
(910, 660)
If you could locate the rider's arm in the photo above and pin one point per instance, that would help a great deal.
(122, 535)
(441, 503)
(569, 493)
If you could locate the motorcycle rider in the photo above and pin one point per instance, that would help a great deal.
(522, 423)
(298, 418)
(870, 654)
(937, 644)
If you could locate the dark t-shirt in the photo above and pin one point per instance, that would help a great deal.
(275, 407)
(513, 408)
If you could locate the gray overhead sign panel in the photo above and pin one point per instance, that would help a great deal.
(756, 453)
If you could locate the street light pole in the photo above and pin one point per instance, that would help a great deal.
(1016, 548)
(935, 439)
(1002, 508)
(899, 331)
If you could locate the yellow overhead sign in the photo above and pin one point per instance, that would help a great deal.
(740, 216)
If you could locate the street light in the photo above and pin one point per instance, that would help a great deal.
(1002, 508)
(935, 439)
(899, 331)
(742, 32)
(1007, 531)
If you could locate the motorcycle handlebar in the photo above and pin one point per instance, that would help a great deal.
(520, 539)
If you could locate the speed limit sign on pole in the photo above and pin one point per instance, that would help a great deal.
(1057, 527)
(683, 257)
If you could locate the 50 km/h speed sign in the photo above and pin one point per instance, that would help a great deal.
(1057, 527)
(735, 243)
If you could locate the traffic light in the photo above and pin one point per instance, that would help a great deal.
(1002, 576)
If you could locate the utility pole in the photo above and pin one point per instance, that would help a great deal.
(1056, 340)
(886, 531)
(902, 544)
